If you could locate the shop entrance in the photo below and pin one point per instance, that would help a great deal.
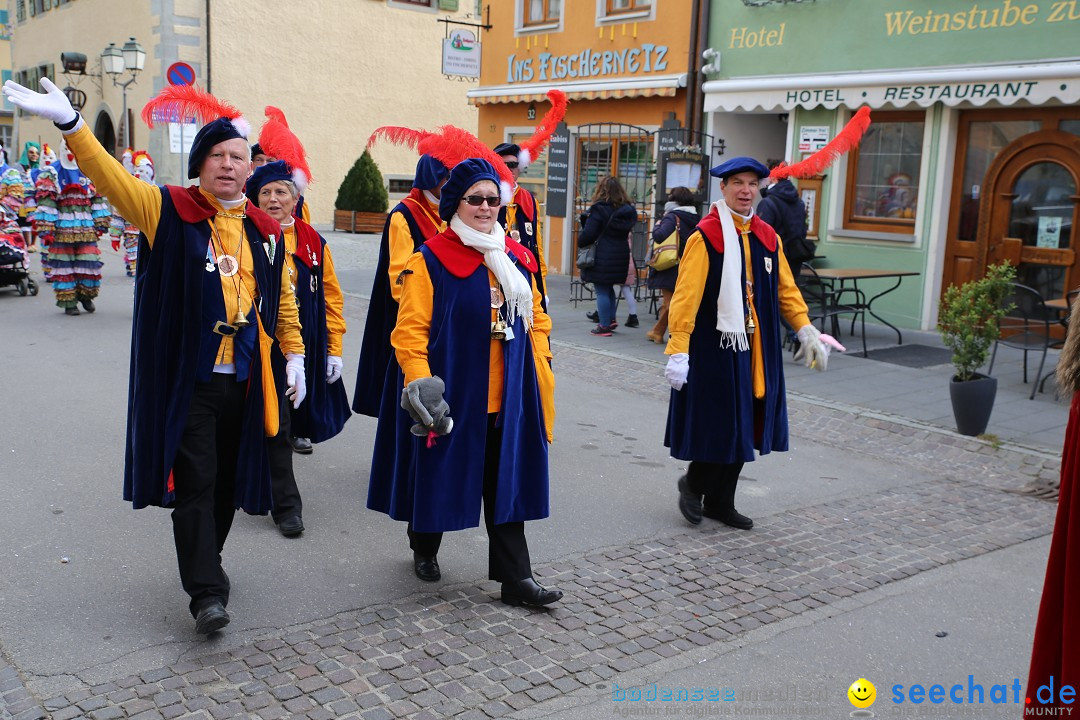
(626, 152)
(1030, 211)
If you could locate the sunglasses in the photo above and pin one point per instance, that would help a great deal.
(478, 200)
(512, 164)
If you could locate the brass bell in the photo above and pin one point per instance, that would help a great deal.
(240, 320)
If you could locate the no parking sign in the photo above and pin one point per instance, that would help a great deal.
(180, 73)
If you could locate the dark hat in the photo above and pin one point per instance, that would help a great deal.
(507, 149)
(210, 135)
(464, 175)
(429, 173)
(268, 173)
(737, 165)
(256, 149)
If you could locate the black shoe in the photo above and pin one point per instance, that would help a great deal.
(71, 311)
(631, 321)
(730, 517)
(88, 305)
(594, 316)
(528, 592)
(292, 526)
(301, 446)
(211, 618)
(427, 568)
(689, 503)
(601, 331)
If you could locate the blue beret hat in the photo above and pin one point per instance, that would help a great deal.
(507, 149)
(429, 173)
(464, 175)
(210, 135)
(268, 173)
(738, 165)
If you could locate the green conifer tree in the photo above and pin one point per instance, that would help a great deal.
(362, 189)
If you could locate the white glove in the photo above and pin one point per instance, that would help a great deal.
(678, 365)
(296, 379)
(52, 104)
(812, 351)
(333, 369)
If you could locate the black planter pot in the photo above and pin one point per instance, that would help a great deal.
(972, 403)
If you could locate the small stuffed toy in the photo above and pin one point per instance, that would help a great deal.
(423, 400)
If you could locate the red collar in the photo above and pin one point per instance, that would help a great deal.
(713, 231)
(524, 200)
(309, 247)
(427, 220)
(462, 260)
(193, 207)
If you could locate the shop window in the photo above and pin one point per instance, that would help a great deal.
(534, 178)
(540, 12)
(399, 186)
(883, 174)
(20, 10)
(413, 3)
(1070, 126)
(985, 139)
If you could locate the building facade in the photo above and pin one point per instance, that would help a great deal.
(973, 156)
(624, 65)
(337, 69)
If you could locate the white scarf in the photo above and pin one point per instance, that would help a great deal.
(516, 289)
(731, 301)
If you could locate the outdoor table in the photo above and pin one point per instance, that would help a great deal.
(854, 275)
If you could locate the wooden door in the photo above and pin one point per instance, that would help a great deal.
(1030, 212)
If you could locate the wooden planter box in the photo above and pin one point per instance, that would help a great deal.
(359, 222)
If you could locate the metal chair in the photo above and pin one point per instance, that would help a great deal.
(1026, 328)
(825, 301)
(1063, 320)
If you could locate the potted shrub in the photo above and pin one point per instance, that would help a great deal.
(362, 199)
(969, 319)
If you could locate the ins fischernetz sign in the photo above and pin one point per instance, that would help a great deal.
(588, 63)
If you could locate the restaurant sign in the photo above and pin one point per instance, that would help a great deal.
(588, 63)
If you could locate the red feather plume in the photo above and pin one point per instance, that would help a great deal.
(279, 142)
(449, 145)
(187, 101)
(845, 140)
(540, 137)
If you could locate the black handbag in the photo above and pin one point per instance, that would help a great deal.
(586, 256)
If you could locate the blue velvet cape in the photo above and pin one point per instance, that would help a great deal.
(324, 411)
(440, 488)
(715, 418)
(169, 348)
(376, 368)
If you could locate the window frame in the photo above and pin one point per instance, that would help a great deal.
(902, 226)
(547, 21)
(638, 8)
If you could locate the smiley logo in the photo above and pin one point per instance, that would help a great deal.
(862, 693)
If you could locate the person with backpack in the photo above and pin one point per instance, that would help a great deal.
(783, 209)
(682, 215)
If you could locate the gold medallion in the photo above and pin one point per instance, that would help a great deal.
(227, 265)
(496, 298)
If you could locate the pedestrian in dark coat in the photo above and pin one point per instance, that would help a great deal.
(607, 224)
(783, 209)
(683, 215)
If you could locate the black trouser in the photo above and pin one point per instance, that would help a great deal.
(508, 552)
(205, 479)
(286, 495)
(716, 481)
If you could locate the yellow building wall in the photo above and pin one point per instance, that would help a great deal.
(511, 52)
(86, 27)
(339, 70)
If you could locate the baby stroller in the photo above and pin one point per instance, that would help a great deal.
(14, 263)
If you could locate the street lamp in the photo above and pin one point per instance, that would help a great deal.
(114, 62)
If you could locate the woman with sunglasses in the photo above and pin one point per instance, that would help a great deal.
(456, 430)
(608, 224)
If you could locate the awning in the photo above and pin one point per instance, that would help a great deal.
(652, 86)
(1034, 84)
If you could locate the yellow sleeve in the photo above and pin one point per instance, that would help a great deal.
(540, 255)
(693, 270)
(288, 322)
(792, 305)
(136, 201)
(541, 324)
(410, 334)
(335, 305)
(401, 249)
